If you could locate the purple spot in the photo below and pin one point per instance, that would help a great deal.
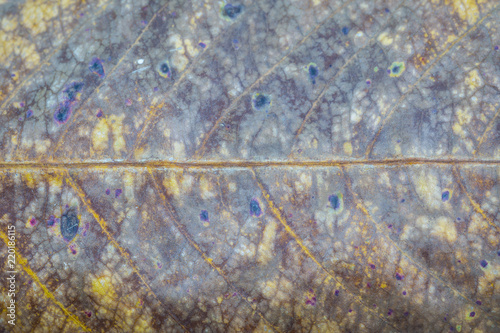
(445, 196)
(459, 260)
(12, 75)
(63, 112)
(389, 71)
(99, 113)
(350, 310)
(406, 314)
(155, 89)
(458, 219)
(484, 263)
(20, 118)
(204, 215)
(33, 221)
(235, 294)
(404, 293)
(403, 200)
(51, 221)
(173, 14)
(21, 104)
(387, 10)
(72, 249)
(369, 285)
(81, 14)
(374, 305)
(444, 319)
(314, 298)
(96, 67)
(345, 30)
(389, 312)
(128, 102)
(337, 292)
(87, 30)
(472, 314)
(143, 22)
(372, 266)
(88, 313)
(29, 113)
(255, 208)
(310, 290)
(496, 47)
(308, 302)
(389, 226)
(85, 229)
(479, 302)
(108, 191)
(159, 265)
(498, 253)
(202, 45)
(399, 277)
(118, 192)
(368, 82)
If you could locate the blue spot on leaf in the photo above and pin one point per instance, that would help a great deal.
(72, 90)
(96, 67)
(260, 102)
(231, 11)
(345, 30)
(204, 215)
(63, 112)
(69, 224)
(255, 208)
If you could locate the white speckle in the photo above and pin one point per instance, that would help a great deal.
(140, 61)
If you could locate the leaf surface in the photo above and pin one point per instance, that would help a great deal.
(305, 166)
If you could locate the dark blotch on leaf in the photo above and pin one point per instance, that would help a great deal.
(232, 11)
(484, 263)
(334, 201)
(204, 215)
(261, 101)
(96, 66)
(63, 112)
(164, 68)
(445, 196)
(345, 30)
(69, 224)
(255, 208)
(73, 89)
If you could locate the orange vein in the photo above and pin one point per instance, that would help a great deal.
(201, 150)
(192, 242)
(81, 194)
(364, 210)
(427, 71)
(476, 206)
(24, 263)
(277, 213)
(488, 128)
(146, 28)
(341, 70)
(390, 162)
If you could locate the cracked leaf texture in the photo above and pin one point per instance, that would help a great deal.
(268, 166)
